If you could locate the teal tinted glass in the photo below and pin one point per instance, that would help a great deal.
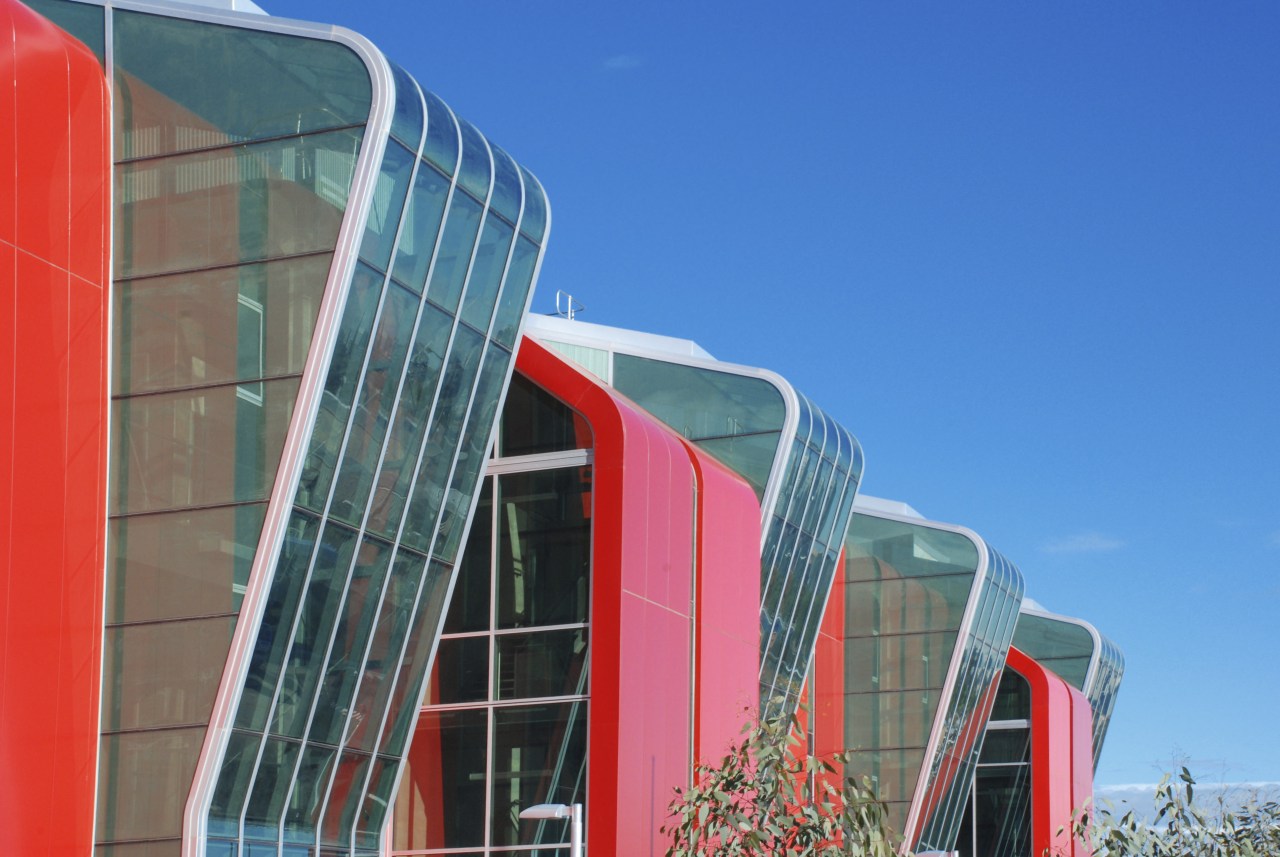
(234, 778)
(506, 186)
(79, 19)
(406, 121)
(487, 268)
(206, 85)
(700, 402)
(388, 205)
(454, 256)
(476, 170)
(534, 221)
(421, 228)
(515, 294)
(1064, 647)
(441, 147)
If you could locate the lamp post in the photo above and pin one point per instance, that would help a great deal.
(573, 812)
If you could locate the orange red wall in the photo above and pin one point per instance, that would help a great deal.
(54, 197)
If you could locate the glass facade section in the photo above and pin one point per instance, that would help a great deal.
(505, 722)
(802, 546)
(390, 475)
(237, 149)
(906, 588)
(967, 702)
(1074, 650)
(228, 202)
(997, 821)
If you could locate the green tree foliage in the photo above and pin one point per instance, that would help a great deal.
(1180, 828)
(769, 796)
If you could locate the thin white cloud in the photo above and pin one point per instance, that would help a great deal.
(622, 62)
(1090, 542)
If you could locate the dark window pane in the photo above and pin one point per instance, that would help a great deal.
(486, 273)
(444, 784)
(343, 801)
(233, 783)
(544, 547)
(469, 607)
(515, 293)
(461, 672)
(552, 663)
(270, 787)
(539, 756)
(406, 122)
(442, 135)
(403, 707)
(301, 814)
(475, 172)
(534, 421)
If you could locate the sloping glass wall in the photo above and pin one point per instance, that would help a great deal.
(235, 153)
(420, 361)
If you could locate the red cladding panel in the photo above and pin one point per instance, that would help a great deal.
(661, 505)
(1061, 756)
(54, 171)
(728, 606)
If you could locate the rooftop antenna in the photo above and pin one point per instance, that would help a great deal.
(566, 305)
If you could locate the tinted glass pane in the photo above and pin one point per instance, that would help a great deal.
(384, 651)
(887, 720)
(901, 662)
(878, 547)
(444, 783)
(190, 84)
(406, 122)
(534, 421)
(377, 804)
(426, 364)
(205, 447)
(318, 613)
(164, 674)
(539, 756)
(534, 221)
(217, 547)
(270, 788)
(300, 814)
(227, 206)
(151, 773)
(340, 387)
(233, 783)
(515, 293)
(544, 547)
(346, 658)
(213, 327)
(469, 607)
(273, 637)
(552, 663)
(421, 228)
(697, 402)
(506, 186)
(441, 147)
(486, 273)
(403, 707)
(1013, 699)
(894, 771)
(913, 604)
(348, 783)
(454, 254)
(1063, 647)
(475, 172)
(388, 203)
(461, 672)
(374, 402)
(749, 455)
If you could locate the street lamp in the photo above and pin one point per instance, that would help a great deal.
(572, 812)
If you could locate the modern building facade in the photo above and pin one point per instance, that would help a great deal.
(343, 554)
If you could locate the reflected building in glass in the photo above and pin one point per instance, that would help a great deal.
(321, 547)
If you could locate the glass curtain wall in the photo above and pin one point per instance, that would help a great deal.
(235, 152)
(968, 699)
(1074, 650)
(739, 419)
(420, 362)
(997, 822)
(505, 722)
(907, 586)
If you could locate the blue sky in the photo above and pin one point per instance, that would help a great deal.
(1028, 253)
